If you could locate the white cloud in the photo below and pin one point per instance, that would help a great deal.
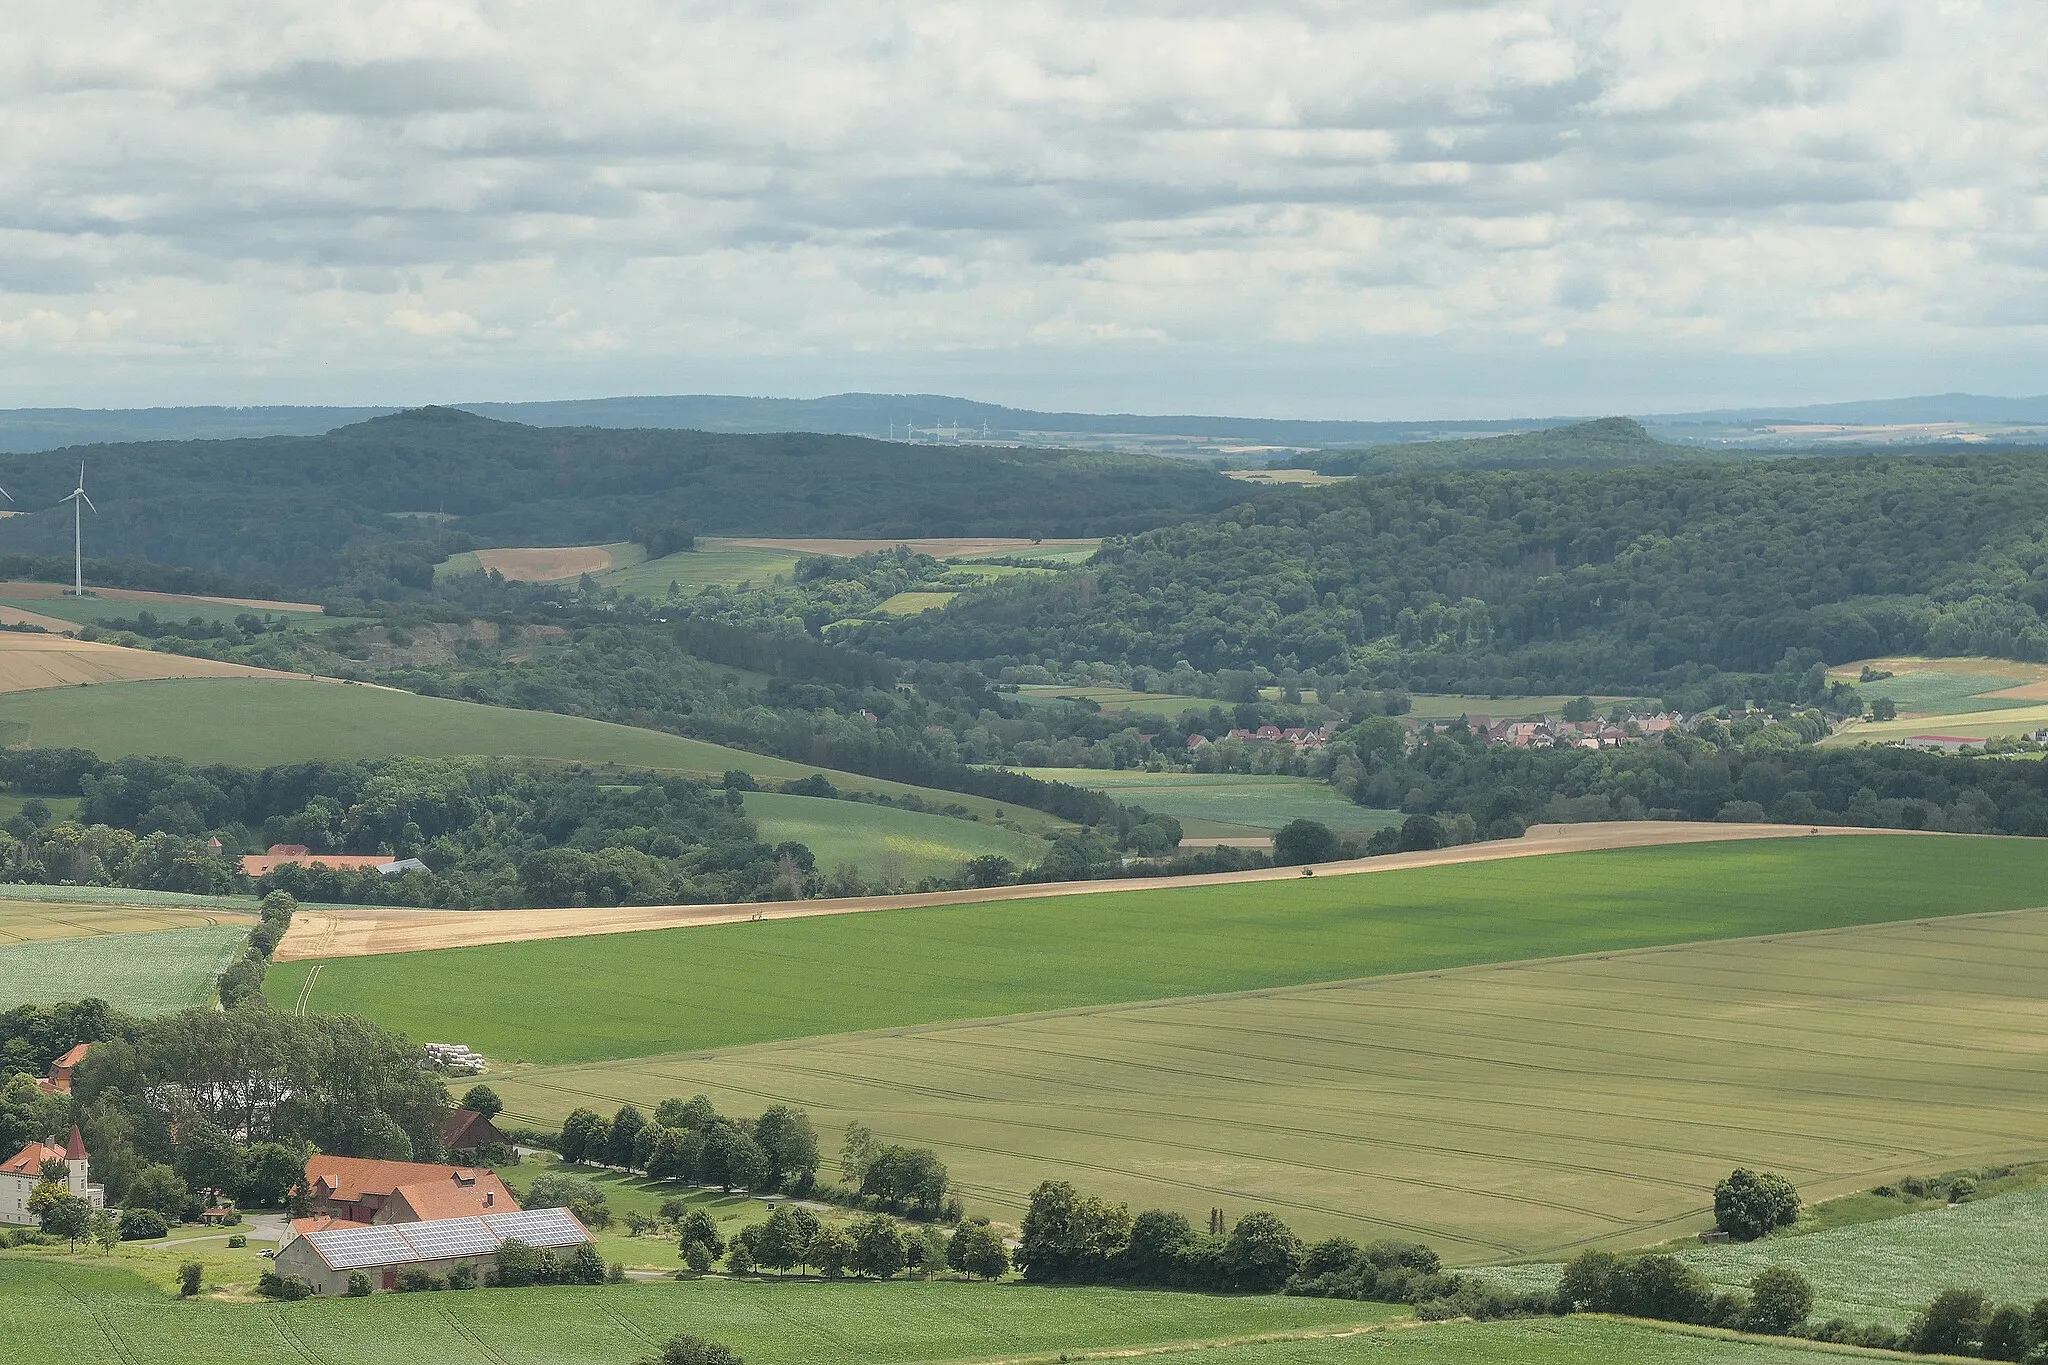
(411, 199)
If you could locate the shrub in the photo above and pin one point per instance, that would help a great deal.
(190, 1276)
(684, 1349)
(237, 1242)
(1749, 1204)
(358, 1285)
(462, 1276)
(1779, 1300)
(142, 1225)
(416, 1281)
(290, 1288)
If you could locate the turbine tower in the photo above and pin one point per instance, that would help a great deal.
(75, 497)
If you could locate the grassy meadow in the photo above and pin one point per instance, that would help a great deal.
(1928, 687)
(258, 722)
(631, 995)
(73, 1312)
(877, 838)
(1498, 1112)
(1225, 804)
(143, 973)
(714, 562)
(913, 603)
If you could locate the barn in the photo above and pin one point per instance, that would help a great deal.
(326, 1257)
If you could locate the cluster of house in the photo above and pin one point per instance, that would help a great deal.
(1301, 737)
(378, 1219)
(1584, 734)
(281, 855)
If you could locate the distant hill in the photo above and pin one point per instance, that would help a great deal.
(1609, 443)
(283, 509)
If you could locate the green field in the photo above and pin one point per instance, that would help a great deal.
(78, 1313)
(257, 722)
(93, 610)
(146, 973)
(630, 995)
(62, 807)
(1943, 686)
(1162, 705)
(911, 843)
(913, 603)
(713, 563)
(1884, 1271)
(1517, 1110)
(1449, 706)
(1223, 804)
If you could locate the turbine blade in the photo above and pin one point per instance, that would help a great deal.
(88, 502)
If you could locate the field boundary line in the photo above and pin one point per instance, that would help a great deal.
(485, 927)
(306, 990)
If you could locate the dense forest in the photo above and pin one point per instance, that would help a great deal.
(385, 499)
(1519, 583)
(1609, 443)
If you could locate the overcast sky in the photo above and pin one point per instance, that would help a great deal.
(1316, 209)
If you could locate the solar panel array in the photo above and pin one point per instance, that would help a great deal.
(539, 1227)
(361, 1246)
(355, 1248)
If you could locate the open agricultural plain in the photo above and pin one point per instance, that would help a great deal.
(1224, 805)
(1513, 1110)
(30, 662)
(31, 921)
(147, 972)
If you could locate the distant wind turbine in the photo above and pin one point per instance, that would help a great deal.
(75, 497)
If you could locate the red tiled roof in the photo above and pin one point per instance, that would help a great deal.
(29, 1160)
(351, 1177)
(446, 1199)
(74, 1056)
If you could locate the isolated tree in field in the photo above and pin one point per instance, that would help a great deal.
(1578, 709)
(1748, 1204)
(1779, 1300)
(1883, 708)
(483, 1100)
(65, 1215)
(684, 1349)
(190, 1276)
(1303, 841)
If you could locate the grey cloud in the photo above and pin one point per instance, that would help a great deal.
(386, 89)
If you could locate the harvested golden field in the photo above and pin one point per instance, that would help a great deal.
(28, 662)
(549, 564)
(28, 921)
(1494, 1112)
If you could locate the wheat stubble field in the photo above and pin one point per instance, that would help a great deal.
(1495, 1112)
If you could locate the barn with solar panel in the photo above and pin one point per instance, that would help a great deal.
(326, 1257)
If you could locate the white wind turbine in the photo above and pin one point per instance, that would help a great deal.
(75, 497)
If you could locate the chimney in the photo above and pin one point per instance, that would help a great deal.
(490, 1198)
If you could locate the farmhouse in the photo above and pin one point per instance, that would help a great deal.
(344, 1189)
(465, 1130)
(58, 1082)
(283, 855)
(24, 1171)
(326, 1257)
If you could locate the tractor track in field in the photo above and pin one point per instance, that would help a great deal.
(374, 932)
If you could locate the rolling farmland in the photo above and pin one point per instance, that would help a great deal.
(1212, 805)
(870, 837)
(628, 995)
(30, 662)
(259, 722)
(143, 973)
(1515, 1110)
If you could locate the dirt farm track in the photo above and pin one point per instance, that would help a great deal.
(368, 932)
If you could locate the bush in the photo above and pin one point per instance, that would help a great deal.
(462, 1276)
(142, 1225)
(290, 1288)
(417, 1281)
(1749, 1204)
(684, 1349)
(237, 1242)
(190, 1276)
(358, 1285)
(1779, 1300)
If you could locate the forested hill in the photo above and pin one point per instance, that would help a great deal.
(1553, 581)
(1609, 443)
(283, 508)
